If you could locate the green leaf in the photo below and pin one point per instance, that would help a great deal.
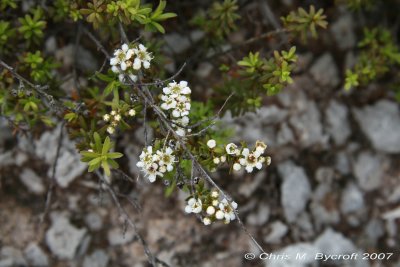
(106, 146)
(114, 155)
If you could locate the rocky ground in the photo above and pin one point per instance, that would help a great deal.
(333, 186)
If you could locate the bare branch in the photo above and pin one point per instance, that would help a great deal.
(53, 174)
(97, 42)
(151, 258)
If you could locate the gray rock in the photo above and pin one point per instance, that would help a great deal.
(247, 189)
(63, 238)
(94, 221)
(334, 243)
(97, 259)
(294, 256)
(260, 217)
(342, 163)
(204, 70)
(343, 32)
(269, 115)
(69, 165)
(325, 72)
(117, 237)
(6, 159)
(36, 256)
(278, 231)
(352, 199)
(32, 181)
(179, 43)
(374, 230)
(381, 124)
(84, 58)
(10, 257)
(338, 124)
(285, 135)
(295, 190)
(308, 126)
(51, 45)
(369, 169)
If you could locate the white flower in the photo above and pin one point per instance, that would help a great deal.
(180, 131)
(214, 194)
(169, 102)
(125, 47)
(231, 149)
(106, 117)
(142, 57)
(133, 77)
(174, 89)
(228, 210)
(250, 160)
(206, 221)
(237, 167)
(193, 206)
(152, 171)
(223, 159)
(260, 146)
(219, 214)
(215, 202)
(166, 158)
(210, 210)
(113, 113)
(110, 130)
(117, 117)
(146, 157)
(211, 143)
(216, 161)
(131, 112)
(115, 69)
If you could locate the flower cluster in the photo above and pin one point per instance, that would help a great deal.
(114, 118)
(156, 164)
(128, 61)
(176, 99)
(238, 158)
(212, 208)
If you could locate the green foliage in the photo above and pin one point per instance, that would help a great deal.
(273, 73)
(39, 68)
(66, 9)
(6, 33)
(358, 4)
(100, 156)
(32, 26)
(379, 53)
(7, 3)
(219, 20)
(100, 12)
(303, 22)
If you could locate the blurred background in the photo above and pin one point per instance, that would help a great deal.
(333, 186)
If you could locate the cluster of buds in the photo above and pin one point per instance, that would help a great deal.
(128, 61)
(176, 99)
(114, 118)
(212, 208)
(240, 157)
(156, 164)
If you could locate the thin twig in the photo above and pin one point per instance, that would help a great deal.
(53, 176)
(248, 42)
(52, 103)
(151, 258)
(124, 38)
(97, 42)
